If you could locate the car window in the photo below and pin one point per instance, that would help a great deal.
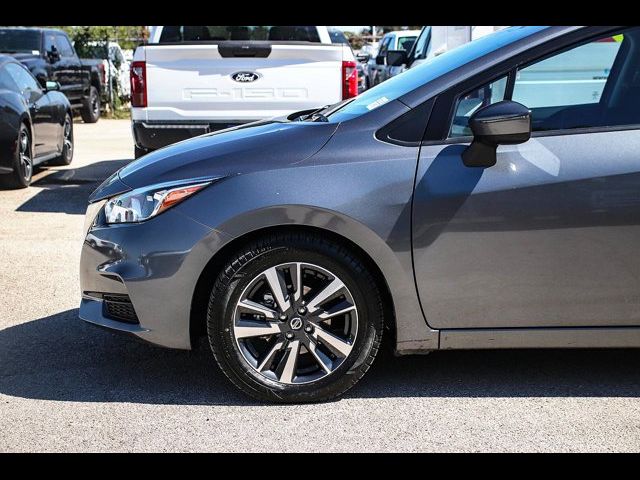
(405, 43)
(117, 56)
(469, 103)
(23, 79)
(592, 85)
(64, 46)
(337, 36)
(19, 41)
(422, 44)
(6, 81)
(433, 68)
(384, 45)
(191, 33)
(50, 41)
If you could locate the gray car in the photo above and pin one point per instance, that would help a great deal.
(489, 198)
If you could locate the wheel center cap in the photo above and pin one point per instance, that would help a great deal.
(296, 323)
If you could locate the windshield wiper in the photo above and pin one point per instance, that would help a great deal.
(309, 116)
(318, 117)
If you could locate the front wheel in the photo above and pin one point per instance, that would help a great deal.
(295, 318)
(90, 112)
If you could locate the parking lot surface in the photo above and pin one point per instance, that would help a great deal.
(68, 386)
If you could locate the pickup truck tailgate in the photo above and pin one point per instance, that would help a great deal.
(193, 82)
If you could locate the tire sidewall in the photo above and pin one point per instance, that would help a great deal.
(66, 157)
(220, 324)
(24, 182)
(88, 115)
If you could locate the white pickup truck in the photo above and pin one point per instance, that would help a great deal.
(190, 80)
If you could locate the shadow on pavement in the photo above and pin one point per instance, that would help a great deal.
(61, 358)
(66, 191)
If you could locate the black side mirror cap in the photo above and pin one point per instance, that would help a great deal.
(502, 123)
(53, 55)
(396, 58)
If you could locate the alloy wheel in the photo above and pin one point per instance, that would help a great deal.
(24, 155)
(68, 139)
(295, 323)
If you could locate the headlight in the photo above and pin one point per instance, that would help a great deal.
(143, 203)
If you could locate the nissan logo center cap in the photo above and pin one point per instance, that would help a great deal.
(245, 77)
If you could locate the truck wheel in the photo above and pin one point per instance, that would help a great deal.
(91, 111)
(139, 152)
(67, 146)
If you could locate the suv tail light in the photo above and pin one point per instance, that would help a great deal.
(138, 84)
(349, 79)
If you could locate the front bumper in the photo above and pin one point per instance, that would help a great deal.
(155, 135)
(156, 264)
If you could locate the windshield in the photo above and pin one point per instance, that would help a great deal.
(188, 33)
(19, 41)
(433, 68)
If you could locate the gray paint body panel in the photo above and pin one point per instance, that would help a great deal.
(547, 237)
(540, 338)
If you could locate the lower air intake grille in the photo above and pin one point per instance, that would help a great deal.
(120, 308)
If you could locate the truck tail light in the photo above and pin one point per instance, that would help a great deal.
(349, 79)
(138, 84)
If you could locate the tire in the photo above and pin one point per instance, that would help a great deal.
(66, 156)
(90, 112)
(324, 263)
(139, 152)
(22, 162)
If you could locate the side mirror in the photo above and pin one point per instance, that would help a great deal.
(363, 57)
(53, 54)
(396, 58)
(380, 60)
(503, 123)
(51, 86)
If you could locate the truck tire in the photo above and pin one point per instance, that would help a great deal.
(90, 112)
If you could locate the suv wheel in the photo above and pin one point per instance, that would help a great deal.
(295, 318)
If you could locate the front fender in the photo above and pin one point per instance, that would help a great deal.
(376, 221)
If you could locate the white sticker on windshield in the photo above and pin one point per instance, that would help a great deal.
(379, 102)
(35, 52)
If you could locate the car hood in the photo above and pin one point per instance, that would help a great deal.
(265, 145)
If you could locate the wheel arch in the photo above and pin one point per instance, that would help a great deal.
(26, 119)
(200, 298)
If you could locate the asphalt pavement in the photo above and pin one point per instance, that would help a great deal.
(69, 386)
